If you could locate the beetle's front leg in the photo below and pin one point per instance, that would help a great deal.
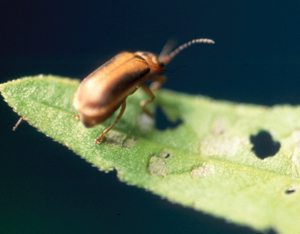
(145, 103)
(158, 81)
(111, 126)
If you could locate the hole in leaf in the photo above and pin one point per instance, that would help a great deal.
(289, 191)
(263, 145)
(272, 231)
(166, 154)
(292, 189)
(162, 122)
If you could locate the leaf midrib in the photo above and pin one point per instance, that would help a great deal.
(230, 163)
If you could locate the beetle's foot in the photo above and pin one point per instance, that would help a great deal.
(76, 117)
(99, 140)
(147, 112)
(155, 86)
(151, 115)
(19, 122)
(143, 104)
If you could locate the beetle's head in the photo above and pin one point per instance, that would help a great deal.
(156, 67)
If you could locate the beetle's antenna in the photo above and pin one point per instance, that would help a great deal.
(174, 69)
(166, 58)
(168, 47)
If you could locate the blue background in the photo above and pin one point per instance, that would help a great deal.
(45, 188)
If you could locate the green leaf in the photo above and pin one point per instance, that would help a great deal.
(206, 163)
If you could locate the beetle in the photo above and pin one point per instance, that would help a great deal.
(102, 92)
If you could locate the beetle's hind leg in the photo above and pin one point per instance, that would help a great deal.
(111, 126)
(158, 81)
(145, 103)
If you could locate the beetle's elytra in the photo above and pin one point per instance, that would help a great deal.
(102, 92)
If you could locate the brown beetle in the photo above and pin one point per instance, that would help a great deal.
(102, 92)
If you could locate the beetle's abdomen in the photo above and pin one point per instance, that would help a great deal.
(104, 90)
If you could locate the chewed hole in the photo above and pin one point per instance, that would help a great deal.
(289, 191)
(292, 189)
(162, 122)
(263, 145)
(165, 154)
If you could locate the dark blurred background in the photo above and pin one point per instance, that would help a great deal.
(46, 188)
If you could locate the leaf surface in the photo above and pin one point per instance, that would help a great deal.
(207, 163)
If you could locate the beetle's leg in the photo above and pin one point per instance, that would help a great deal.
(18, 123)
(76, 117)
(145, 103)
(158, 81)
(111, 126)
